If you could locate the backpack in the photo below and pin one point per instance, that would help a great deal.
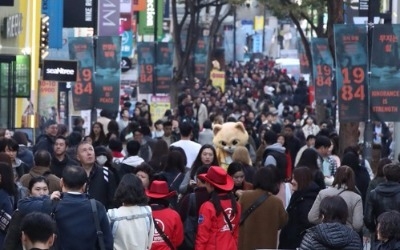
(281, 161)
(190, 224)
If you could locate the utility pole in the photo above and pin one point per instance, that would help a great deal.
(234, 34)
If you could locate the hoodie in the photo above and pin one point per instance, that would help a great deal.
(385, 197)
(331, 236)
(128, 165)
(275, 147)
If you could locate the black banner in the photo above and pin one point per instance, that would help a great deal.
(322, 69)
(164, 67)
(78, 13)
(146, 60)
(61, 71)
(351, 52)
(81, 49)
(385, 73)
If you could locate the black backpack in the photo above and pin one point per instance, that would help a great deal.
(280, 159)
(190, 225)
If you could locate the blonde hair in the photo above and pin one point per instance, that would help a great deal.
(241, 154)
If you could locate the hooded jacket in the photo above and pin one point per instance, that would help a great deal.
(385, 197)
(327, 236)
(275, 155)
(128, 165)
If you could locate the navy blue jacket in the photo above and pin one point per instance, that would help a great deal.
(75, 222)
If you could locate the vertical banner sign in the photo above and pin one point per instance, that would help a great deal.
(217, 78)
(81, 49)
(200, 57)
(158, 106)
(351, 52)
(108, 17)
(146, 67)
(164, 67)
(304, 63)
(322, 69)
(81, 11)
(385, 74)
(54, 9)
(22, 76)
(147, 18)
(4, 79)
(48, 100)
(108, 72)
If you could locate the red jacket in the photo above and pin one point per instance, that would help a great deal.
(170, 222)
(213, 232)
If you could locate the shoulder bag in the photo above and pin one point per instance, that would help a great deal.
(253, 207)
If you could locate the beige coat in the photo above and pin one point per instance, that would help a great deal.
(354, 205)
(54, 181)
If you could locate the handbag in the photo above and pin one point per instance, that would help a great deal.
(253, 207)
(5, 219)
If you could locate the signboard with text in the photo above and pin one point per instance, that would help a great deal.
(164, 67)
(322, 69)
(62, 71)
(108, 72)
(146, 67)
(385, 73)
(351, 52)
(147, 18)
(81, 49)
(22, 76)
(82, 12)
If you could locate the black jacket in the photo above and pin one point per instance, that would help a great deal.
(44, 142)
(385, 197)
(328, 236)
(298, 208)
(57, 166)
(390, 245)
(101, 185)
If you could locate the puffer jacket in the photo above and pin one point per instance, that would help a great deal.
(327, 236)
(385, 197)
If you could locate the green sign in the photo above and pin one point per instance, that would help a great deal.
(4, 72)
(148, 18)
(22, 76)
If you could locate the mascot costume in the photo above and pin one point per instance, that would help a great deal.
(226, 138)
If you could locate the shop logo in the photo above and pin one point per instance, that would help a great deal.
(60, 71)
(64, 71)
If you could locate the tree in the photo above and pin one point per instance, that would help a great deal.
(349, 133)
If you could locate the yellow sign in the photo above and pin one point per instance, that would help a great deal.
(158, 106)
(218, 79)
(258, 23)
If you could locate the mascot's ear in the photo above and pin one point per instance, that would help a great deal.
(217, 128)
(240, 126)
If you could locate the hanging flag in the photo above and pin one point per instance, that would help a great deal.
(322, 69)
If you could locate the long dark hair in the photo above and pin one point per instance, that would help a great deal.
(198, 163)
(7, 178)
(216, 201)
(309, 159)
(102, 136)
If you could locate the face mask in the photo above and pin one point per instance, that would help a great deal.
(101, 159)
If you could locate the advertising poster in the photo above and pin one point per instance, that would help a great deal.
(164, 67)
(147, 18)
(385, 73)
(22, 76)
(146, 67)
(48, 101)
(304, 63)
(218, 79)
(322, 69)
(81, 49)
(108, 72)
(200, 57)
(351, 71)
(158, 106)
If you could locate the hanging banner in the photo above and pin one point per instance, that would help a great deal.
(81, 49)
(158, 106)
(217, 78)
(258, 23)
(304, 63)
(351, 52)
(22, 76)
(54, 9)
(385, 74)
(108, 17)
(322, 69)
(5, 78)
(108, 72)
(257, 43)
(148, 18)
(200, 57)
(82, 12)
(146, 67)
(48, 101)
(164, 67)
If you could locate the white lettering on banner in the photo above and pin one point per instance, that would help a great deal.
(88, 14)
(13, 25)
(60, 71)
(150, 13)
(110, 11)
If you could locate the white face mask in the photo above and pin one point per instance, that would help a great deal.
(101, 159)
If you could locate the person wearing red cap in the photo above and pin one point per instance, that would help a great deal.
(218, 223)
(168, 233)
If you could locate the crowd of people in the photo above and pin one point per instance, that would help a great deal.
(137, 184)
